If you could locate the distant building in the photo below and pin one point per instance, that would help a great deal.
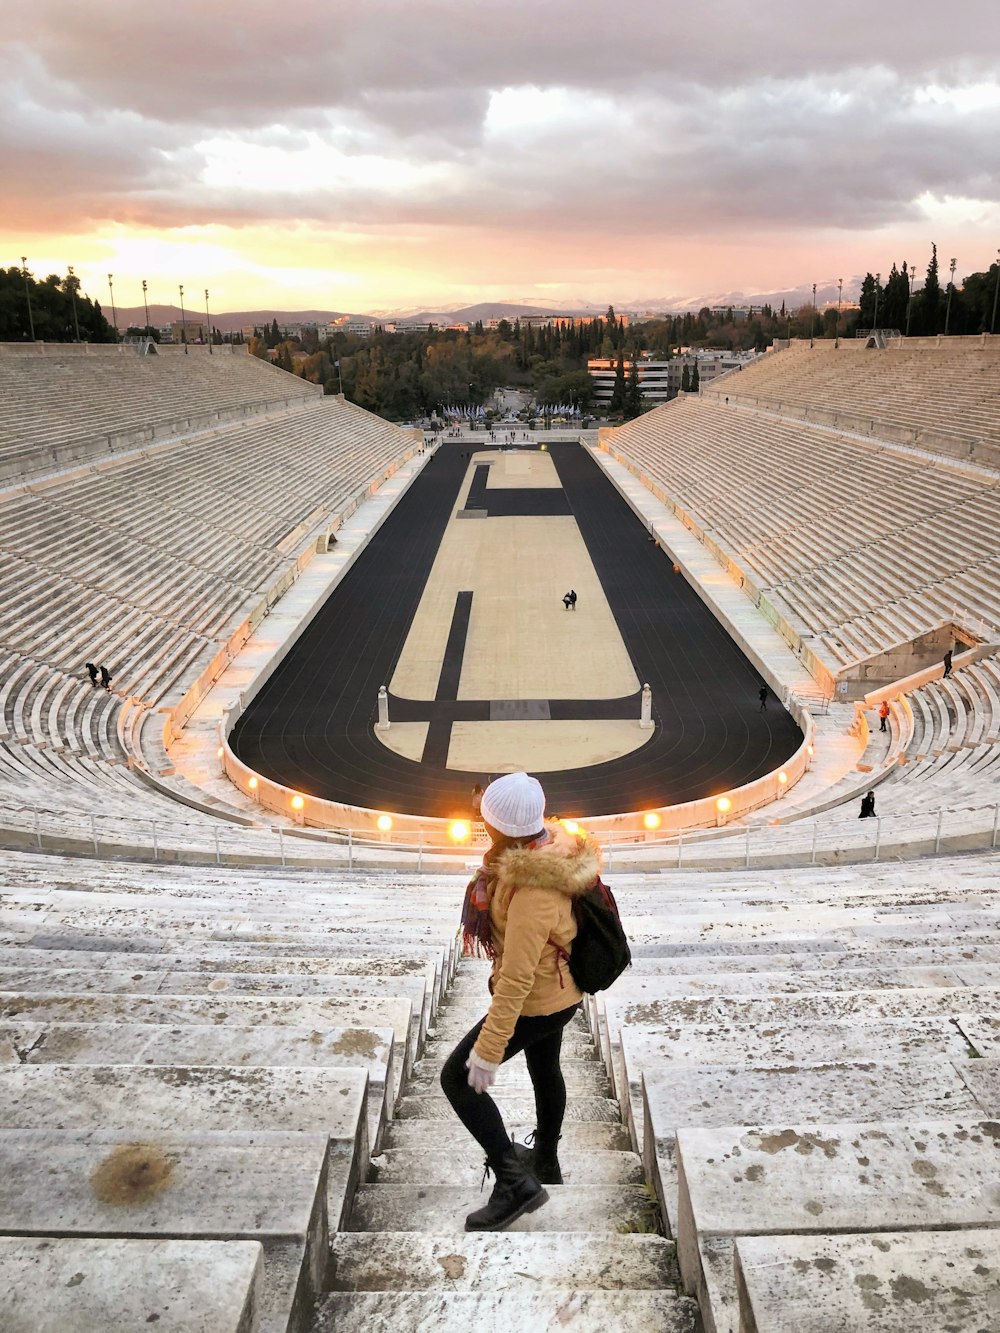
(659, 381)
(189, 329)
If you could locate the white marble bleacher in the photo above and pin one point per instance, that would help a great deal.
(860, 545)
(811, 1052)
(148, 561)
(60, 407)
(206, 1055)
(910, 391)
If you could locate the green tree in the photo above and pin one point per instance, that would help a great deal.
(634, 404)
(617, 403)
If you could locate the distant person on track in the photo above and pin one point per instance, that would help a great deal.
(518, 912)
(92, 673)
(477, 799)
(569, 601)
(762, 696)
(947, 665)
(867, 806)
(883, 714)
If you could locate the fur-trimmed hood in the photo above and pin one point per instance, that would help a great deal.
(568, 863)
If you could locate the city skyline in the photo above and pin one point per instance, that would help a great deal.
(422, 156)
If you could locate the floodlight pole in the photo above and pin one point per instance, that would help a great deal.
(909, 299)
(840, 297)
(145, 305)
(951, 288)
(812, 321)
(996, 293)
(72, 297)
(184, 334)
(114, 312)
(878, 283)
(208, 323)
(31, 317)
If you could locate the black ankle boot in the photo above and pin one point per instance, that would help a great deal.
(541, 1161)
(516, 1191)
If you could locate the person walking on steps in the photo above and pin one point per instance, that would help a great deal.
(867, 806)
(883, 714)
(947, 664)
(106, 677)
(518, 912)
(92, 673)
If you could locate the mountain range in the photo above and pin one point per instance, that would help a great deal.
(231, 320)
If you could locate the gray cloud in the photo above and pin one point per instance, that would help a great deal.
(742, 117)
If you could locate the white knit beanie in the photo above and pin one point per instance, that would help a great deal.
(515, 805)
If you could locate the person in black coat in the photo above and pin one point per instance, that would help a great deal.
(106, 678)
(867, 806)
(92, 673)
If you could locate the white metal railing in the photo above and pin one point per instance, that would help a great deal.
(734, 846)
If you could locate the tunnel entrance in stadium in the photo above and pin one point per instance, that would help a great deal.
(456, 605)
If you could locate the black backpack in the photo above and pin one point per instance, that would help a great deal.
(600, 952)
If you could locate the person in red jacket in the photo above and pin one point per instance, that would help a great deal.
(883, 714)
(518, 912)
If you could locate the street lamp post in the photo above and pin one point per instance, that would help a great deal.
(909, 298)
(72, 297)
(951, 288)
(31, 317)
(184, 327)
(114, 312)
(208, 323)
(812, 320)
(145, 305)
(878, 283)
(996, 293)
(840, 297)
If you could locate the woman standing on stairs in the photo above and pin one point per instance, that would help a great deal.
(518, 912)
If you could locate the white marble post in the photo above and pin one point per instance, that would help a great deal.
(646, 718)
(383, 709)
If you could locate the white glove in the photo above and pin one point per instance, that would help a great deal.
(482, 1074)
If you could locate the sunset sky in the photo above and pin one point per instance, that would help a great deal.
(391, 154)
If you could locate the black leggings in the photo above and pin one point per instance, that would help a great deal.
(541, 1040)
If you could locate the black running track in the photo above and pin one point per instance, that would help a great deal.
(312, 726)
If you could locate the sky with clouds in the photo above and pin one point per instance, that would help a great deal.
(391, 154)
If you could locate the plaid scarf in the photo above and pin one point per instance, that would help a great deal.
(477, 928)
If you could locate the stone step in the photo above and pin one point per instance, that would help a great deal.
(639, 986)
(515, 1110)
(272, 1188)
(716, 1095)
(226, 1045)
(503, 1312)
(578, 1136)
(613, 1012)
(444, 1036)
(447, 1166)
(460, 1311)
(902, 1280)
(584, 1077)
(443, 1208)
(943, 955)
(501, 1261)
(241, 1011)
(152, 1100)
(53, 1284)
(825, 1177)
(577, 1048)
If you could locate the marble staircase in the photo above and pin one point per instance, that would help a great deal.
(592, 1257)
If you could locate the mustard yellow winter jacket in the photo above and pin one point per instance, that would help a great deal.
(531, 912)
